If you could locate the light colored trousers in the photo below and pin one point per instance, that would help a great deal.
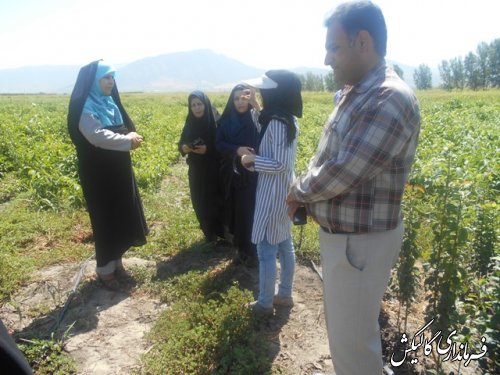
(356, 270)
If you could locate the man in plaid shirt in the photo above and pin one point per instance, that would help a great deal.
(354, 184)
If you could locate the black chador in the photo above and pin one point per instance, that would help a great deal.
(107, 179)
(204, 184)
(236, 130)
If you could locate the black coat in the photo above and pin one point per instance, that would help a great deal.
(12, 360)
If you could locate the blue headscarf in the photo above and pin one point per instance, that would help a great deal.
(99, 105)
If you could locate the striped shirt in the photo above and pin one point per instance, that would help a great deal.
(355, 182)
(275, 164)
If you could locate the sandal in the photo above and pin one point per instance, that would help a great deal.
(123, 274)
(109, 282)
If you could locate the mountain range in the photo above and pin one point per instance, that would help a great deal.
(175, 72)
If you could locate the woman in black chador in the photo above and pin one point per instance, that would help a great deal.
(238, 135)
(104, 134)
(198, 142)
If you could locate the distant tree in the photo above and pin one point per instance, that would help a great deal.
(472, 71)
(457, 73)
(446, 75)
(320, 84)
(308, 82)
(494, 63)
(423, 77)
(313, 82)
(329, 82)
(482, 53)
(398, 71)
(302, 79)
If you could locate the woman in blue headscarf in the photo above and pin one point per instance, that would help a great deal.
(104, 134)
(238, 135)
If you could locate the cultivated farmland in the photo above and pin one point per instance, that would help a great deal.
(448, 272)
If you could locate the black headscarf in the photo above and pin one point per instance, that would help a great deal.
(203, 127)
(283, 102)
(236, 126)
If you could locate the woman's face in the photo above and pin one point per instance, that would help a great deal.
(106, 83)
(240, 100)
(197, 107)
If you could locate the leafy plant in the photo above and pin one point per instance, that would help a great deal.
(47, 357)
(407, 273)
(207, 336)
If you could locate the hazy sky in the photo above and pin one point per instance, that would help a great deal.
(262, 33)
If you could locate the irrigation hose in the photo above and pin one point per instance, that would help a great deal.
(81, 272)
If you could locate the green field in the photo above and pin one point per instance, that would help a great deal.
(451, 211)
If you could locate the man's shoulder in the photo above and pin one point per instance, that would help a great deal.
(395, 96)
(393, 84)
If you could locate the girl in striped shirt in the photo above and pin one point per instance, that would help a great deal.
(274, 163)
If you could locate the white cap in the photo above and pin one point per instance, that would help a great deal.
(262, 82)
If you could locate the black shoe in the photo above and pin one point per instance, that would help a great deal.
(223, 244)
(251, 262)
(211, 238)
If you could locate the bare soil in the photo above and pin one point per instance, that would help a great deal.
(108, 327)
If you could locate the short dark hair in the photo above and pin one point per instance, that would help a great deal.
(362, 15)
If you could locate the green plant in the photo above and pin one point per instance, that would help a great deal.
(445, 266)
(207, 336)
(47, 357)
(485, 238)
(407, 272)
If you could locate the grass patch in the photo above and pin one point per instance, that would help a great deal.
(31, 240)
(48, 357)
(207, 336)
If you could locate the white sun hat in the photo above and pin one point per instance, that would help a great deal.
(262, 82)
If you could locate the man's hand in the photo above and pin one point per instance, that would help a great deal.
(292, 206)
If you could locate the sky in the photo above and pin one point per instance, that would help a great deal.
(266, 34)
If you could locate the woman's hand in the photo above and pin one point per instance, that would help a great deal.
(186, 149)
(253, 100)
(248, 161)
(200, 149)
(135, 140)
(244, 150)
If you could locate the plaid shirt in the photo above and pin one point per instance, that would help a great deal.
(355, 182)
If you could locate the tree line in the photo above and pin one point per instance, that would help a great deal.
(479, 70)
(317, 82)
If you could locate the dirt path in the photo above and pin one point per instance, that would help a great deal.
(108, 330)
(298, 336)
(107, 336)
